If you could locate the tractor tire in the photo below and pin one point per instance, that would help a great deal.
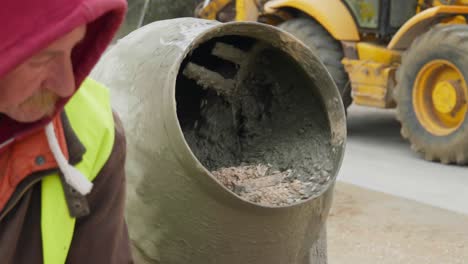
(432, 94)
(329, 50)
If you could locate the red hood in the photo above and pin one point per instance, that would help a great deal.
(30, 26)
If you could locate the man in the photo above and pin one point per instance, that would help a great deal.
(61, 148)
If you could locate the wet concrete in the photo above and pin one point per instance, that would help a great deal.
(262, 185)
(255, 109)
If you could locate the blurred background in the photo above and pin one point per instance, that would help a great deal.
(142, 12)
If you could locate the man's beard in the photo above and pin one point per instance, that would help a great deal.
(45, 100)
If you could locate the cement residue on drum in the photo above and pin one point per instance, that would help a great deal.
(262, 133)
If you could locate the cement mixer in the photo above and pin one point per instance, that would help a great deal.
(235, 135)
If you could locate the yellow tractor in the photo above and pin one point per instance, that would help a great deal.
(408, 54)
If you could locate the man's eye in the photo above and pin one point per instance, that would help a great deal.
(41, 60)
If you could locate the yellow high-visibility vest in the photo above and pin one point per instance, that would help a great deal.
(90, 115)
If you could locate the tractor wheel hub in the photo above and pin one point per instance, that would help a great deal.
(445, 96)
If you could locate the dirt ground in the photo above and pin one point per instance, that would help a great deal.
(370, 227)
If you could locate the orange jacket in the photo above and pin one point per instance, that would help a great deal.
(24, 157)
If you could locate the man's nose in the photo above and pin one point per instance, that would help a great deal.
(61, 79)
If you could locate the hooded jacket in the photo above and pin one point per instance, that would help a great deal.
(28, 27)
(25, 154)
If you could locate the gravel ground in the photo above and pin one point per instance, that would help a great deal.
(369, 227)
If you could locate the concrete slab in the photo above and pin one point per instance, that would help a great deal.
(378, 158)
(371, 227)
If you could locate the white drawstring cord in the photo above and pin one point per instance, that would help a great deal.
(72, 175)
